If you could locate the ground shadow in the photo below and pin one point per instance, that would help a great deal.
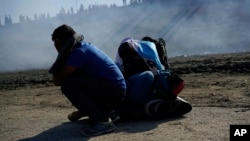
(70, 131)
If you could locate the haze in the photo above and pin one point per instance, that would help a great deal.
(189, 27)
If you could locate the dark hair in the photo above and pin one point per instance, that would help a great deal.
(149, 39)
(63, 32)
(159, 40)
(126, 51)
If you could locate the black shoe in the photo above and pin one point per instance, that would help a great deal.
(149, 108)
(114, 116)
(76, 115)
(159, 108)
(99, 128)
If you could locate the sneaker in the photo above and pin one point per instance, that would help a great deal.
(74, 116)
(149, 108)
(99, 128)
(114, 116)
(159, 108)
(164, 108)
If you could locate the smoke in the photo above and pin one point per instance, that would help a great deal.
(192, 27)
(219, 27)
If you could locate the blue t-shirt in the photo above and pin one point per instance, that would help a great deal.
(93, 62)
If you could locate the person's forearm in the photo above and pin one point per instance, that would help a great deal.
(65, 72)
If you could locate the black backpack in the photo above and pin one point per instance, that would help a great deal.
(133, 63)
(161, 49)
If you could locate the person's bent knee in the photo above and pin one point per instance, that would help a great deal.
(148, 76)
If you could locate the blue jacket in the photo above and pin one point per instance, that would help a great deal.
(145, 49)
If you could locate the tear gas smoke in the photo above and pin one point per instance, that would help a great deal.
(191, 28)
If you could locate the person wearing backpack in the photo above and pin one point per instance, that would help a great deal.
(139, 63)
(88, 78)
(149, 92)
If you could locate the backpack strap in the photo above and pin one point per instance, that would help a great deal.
(162, 52)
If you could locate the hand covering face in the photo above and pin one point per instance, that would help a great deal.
(64, 54)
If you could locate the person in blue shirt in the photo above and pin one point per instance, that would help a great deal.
(88, 78)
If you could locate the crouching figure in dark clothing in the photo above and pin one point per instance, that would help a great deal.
(152, 89)
(88, 78)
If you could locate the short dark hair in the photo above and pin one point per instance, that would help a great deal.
(126, 51)
(149, 39)
(63, 32)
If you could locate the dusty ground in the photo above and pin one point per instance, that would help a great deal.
(218, 87)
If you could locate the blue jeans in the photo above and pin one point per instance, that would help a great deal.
(139, 86)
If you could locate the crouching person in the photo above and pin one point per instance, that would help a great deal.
(90, 80)
(139, 73)
(151, 89)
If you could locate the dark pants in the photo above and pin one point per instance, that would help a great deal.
(93, 96)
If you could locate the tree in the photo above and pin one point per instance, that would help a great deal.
(133, 2)
(72, 10)
(48, 15)
(124, 2)
(21, 18)
(81, 9)
(62, 12)
(10, 19)
(35, 17)
(7, 20)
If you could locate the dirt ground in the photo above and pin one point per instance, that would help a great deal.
(217, 86)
